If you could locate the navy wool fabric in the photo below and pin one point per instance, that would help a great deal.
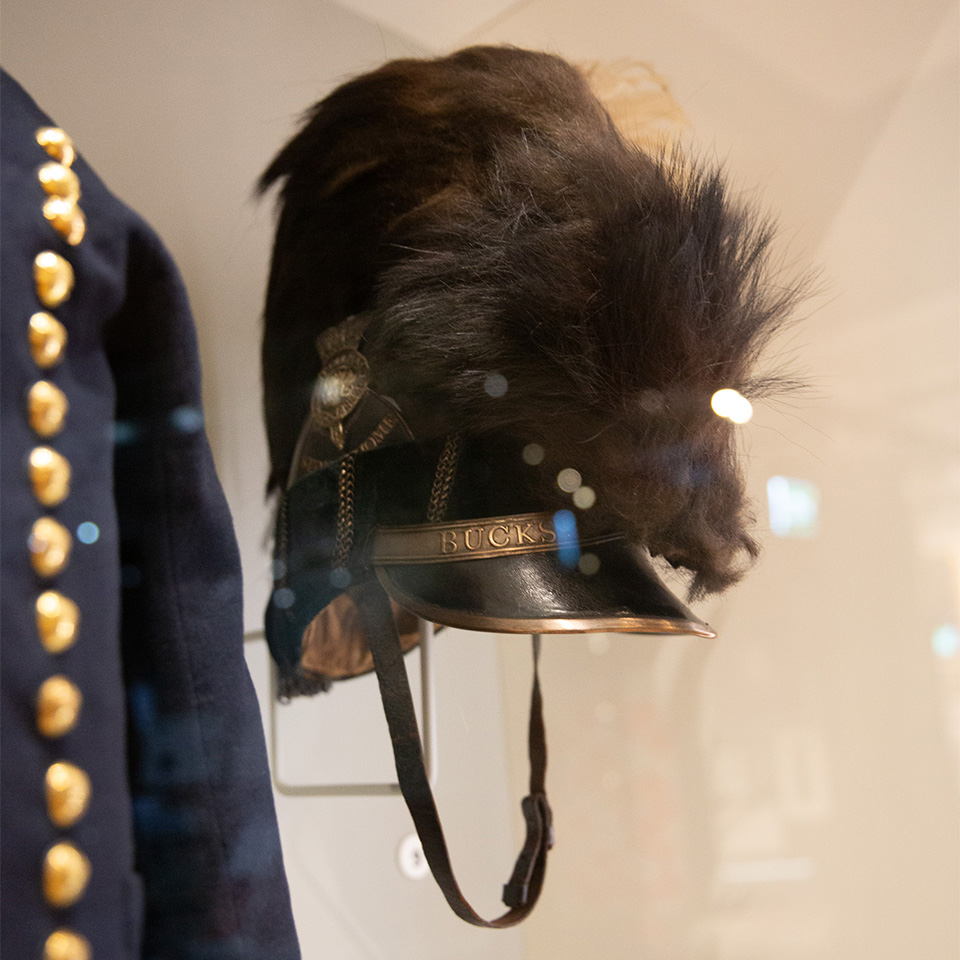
(180, 831)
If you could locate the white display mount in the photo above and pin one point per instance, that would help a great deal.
(344, 733)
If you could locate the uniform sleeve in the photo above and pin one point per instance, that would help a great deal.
(207, 842)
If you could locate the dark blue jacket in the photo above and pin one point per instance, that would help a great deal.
(176, 853)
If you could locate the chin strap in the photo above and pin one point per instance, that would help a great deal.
(522, 890)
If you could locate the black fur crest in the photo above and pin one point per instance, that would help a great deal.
(485, 211)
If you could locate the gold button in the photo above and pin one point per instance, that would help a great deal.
(59, 180)
(66, 945)
(54, 278)
(68, 793)
(47, 406)
(58, 706)
(50, 544)
(66, 873)
(57, 143)
(66, 218)
(57, 621)
(49, 475)
(48, 337)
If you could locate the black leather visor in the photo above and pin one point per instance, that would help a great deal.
(521, 574)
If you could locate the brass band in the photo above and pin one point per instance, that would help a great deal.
(470, 539)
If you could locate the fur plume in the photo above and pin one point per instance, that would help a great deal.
(485, 210)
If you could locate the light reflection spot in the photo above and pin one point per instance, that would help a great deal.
(284, 598)
(125, 432)
(946, 641)
(732, 405)
(568, 543)
(794, 507)
(88, 532)
(340, 578)
(589, 564)
(495, 384)
(584, 497)
(187, 419)
(331, 388)
(533, 454)
(279, 569)
(569, 480)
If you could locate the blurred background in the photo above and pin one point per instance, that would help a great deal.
(788, 791)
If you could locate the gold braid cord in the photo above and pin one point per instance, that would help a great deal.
(345, 495)
(346, 490)
(443, 480)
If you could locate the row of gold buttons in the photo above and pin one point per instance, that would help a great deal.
(66, 870)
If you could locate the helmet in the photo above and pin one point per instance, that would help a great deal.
(493, 329)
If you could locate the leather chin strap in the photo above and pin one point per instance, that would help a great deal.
(521, 892)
